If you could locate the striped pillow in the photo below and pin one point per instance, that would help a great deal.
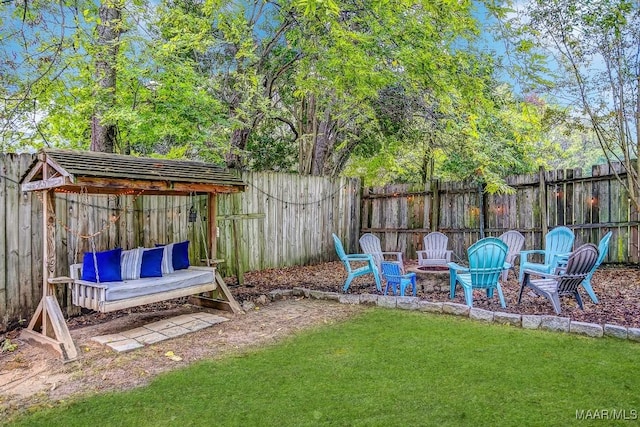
(130, 263)
(167, 259)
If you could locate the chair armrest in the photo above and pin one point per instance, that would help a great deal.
(398, 255)
(506, 266)
(75, 271)
(359, 257)
(528, 272)
(525, 254)
(457, 267)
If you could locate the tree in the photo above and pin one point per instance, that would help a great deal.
(109, 28)
(596, 48)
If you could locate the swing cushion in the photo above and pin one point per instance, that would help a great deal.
(151, 262)
(108, 267)
(180, 256)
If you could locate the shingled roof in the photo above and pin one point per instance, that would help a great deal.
(110, 173)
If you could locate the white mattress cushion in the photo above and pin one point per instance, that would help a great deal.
(177, 280)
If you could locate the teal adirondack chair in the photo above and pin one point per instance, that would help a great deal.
(558, 244)
(486, 264)
(603, 248)
(566, 280)
(353, 272)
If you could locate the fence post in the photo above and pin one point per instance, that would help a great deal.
(435, 204)
(543, 204)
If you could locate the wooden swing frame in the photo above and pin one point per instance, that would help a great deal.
(105, 173)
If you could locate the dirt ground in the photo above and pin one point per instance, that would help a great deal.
(32, 377)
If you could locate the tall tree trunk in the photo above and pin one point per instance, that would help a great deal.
(234, 158)
(103, 135)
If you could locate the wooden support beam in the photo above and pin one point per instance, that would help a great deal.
(220, 299)
(47, 326)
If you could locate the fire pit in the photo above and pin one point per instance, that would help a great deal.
(430, 278)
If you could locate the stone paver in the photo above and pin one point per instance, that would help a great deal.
(125, 345)
(159, 331)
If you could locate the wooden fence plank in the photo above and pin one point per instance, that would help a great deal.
(5, 314)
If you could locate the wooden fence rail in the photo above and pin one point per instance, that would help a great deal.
(285, 220)
(590, 205)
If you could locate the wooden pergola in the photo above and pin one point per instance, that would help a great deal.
(105, 173)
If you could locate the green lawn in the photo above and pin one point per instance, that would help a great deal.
(387, 368)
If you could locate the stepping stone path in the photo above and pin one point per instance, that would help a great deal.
(159, 331)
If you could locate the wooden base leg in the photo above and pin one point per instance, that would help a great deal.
(53, 332)
(221, 298)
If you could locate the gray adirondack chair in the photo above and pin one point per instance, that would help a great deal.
(514, 241)
(370, 244)
(435, 252)
(566, 280)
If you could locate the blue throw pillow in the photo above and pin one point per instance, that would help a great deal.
(151, 263)
(108, 268)
(180, 256)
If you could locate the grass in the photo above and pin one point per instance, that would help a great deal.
(385, 368)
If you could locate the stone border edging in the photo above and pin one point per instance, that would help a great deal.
(526, 321)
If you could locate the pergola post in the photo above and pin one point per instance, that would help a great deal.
(47, 326)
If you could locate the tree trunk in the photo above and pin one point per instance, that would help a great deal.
(103, 135)
(234, 158)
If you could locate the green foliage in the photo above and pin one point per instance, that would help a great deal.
(387, 90)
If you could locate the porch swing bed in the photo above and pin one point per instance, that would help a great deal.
(101, 173)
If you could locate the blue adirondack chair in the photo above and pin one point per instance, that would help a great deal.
(391, 270)
(603, 248)
(558, 244)
(353, 272)
(486, 264)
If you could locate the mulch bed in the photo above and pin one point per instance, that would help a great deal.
(617, 288)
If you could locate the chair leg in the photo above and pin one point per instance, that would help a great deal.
(468, 295)
(413, 286)
(523, 283)
(501, 296)
(376, 276)
(347, 283)
(587, 287)
(452, 284)
(579, 299)
(555, 300)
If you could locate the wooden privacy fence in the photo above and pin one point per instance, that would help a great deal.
(285, 220)
(280, 220)
(590, 205)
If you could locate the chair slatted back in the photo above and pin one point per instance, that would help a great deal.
(339, 249)
(391, 270)
(486, 261)
(558, 241)
(435, 244)
(579, 264)
(370, 244)
(514, 241)
(603, 249)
